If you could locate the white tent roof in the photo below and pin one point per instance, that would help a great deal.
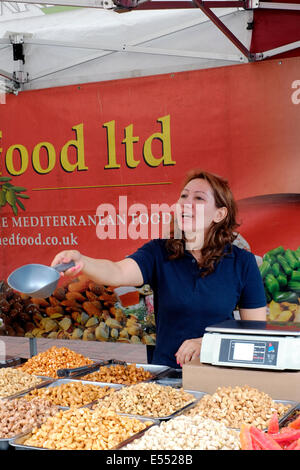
(89, 45)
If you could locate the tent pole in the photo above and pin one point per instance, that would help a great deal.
(221, 26)
(32, 347)
(281, 50)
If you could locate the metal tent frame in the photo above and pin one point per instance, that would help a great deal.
(15, 80)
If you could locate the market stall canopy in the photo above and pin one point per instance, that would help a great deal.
(89, 45)
(97, 43)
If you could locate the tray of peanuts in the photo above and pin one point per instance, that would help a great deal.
(83, 429)
(149, 400)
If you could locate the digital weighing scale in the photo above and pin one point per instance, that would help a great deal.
(255, 344)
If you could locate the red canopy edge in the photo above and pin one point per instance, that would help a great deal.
(275, 28)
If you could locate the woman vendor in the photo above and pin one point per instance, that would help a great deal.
(198, 276)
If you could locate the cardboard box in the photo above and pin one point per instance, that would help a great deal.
(280, 385)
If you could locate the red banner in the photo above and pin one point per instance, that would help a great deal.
(66, 151)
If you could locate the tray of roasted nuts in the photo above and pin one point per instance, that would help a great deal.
(46, 363)
(14, 382)
(241, 404)
(149, 400)
(19, 415)
(67, 393)
(185, 433)
(83, 429)
(124, 373)
(193, 430)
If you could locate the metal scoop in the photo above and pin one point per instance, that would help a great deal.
(37, 280)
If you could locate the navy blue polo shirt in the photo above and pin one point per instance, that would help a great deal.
(185, 303)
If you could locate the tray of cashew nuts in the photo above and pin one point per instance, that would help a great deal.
(14, 381)
(149, 400)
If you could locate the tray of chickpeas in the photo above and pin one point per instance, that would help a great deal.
(67, 393)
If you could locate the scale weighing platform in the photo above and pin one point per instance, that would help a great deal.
(255, 344)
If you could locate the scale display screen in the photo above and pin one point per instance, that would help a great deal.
(248, 352)
(243, 352)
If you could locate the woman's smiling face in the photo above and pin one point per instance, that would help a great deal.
(196, 208)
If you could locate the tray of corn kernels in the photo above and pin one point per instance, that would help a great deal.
(47, 363)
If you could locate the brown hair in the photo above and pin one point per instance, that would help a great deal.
(219, 234)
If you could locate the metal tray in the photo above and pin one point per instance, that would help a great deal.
(171, 378)
(156, 371)
(293, 406)
(57, 382)
(197, 395)
(139, 434)
(18, 441)
(173, 373)
(287, 419)
(46, 377)
(12, 361)
(44, 382)
(4, 443)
